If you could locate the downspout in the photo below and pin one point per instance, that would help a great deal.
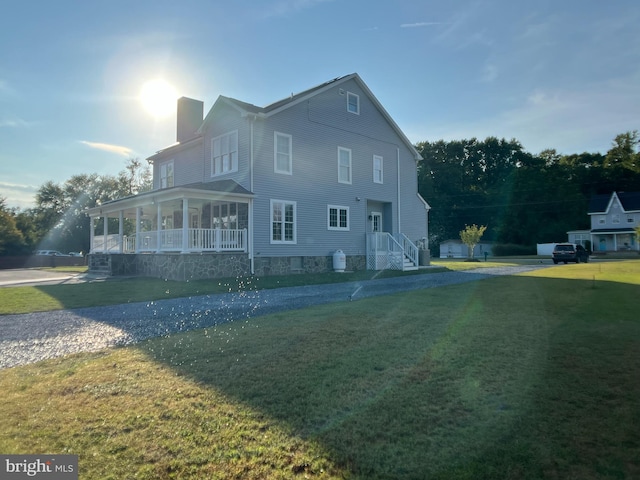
(251, 258)
(398, 159)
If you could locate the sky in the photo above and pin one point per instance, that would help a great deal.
(550, 74)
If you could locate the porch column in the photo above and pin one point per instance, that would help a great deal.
(185, 225)
(138, 229)
(250, 235)
(159, 232)
(92, 234)
(121, 231)
(615, 242)
(106, 232)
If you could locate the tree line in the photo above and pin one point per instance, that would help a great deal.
(522, 198)
(59, 220)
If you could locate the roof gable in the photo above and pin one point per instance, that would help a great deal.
(629, 201)
(245, 108)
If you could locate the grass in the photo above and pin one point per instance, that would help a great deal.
(41, 298)
(523, 377)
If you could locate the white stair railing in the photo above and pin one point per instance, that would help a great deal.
(384, 252)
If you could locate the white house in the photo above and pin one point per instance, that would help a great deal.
(614, 217)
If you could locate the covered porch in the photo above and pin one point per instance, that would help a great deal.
(614, 240)
(191, 219)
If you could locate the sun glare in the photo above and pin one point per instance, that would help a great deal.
(158, 97)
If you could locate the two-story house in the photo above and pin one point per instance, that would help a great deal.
(614, 218)
(271, 190)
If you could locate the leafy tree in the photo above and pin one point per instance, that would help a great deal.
(471, 235)
(59, 219)
(136, 177)
(11, 239)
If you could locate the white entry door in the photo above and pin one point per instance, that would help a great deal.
(376, 222)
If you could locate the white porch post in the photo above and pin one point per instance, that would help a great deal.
(185, 225)
(615, 242)
(138, 229)
(121, 231)
(106, 232)
(159, 232)
(250, 234)
(92, 234)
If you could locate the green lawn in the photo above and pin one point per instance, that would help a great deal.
(525, 377)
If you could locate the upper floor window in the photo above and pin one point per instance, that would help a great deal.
(602, 220)
(353, 103)
(337, 218)
(629, 219)
(224, 153)
(283, 221)
(377, 169)
(282, 153)
(615, 218)
(344, 165)
(166, 174)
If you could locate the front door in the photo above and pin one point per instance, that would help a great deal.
(376, 222)
(195, 220)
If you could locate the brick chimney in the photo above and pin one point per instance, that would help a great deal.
(189, 118)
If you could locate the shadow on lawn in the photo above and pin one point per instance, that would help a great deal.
(460, 382)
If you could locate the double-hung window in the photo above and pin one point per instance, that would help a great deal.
(353, 103)
(166, 174)
(283, 221)
(377, 169)
(224, 153)
(282, 153)
(344, 165)
(337, 217)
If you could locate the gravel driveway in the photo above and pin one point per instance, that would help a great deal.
(32, 337)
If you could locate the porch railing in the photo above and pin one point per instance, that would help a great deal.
(171, 240)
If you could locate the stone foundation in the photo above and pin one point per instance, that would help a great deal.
(196, 266)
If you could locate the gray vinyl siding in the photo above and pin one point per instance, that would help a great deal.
(228, 119)
(318, 127)
(190, 166)
(187, 165)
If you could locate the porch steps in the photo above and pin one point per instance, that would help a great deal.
(408, 265)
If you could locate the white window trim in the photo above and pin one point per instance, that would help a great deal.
(295, 222)
(351, 94)
(275, 153)
(338, 227)
(234, 160)
(375, 180)
(349, 181)
(163, 175)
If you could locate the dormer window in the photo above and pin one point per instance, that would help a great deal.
(353, 103)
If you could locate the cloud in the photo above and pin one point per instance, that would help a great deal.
(15, 123)
(286, 7)
(568, 120)
(124, 151)
(489, 73)
(420, 24)
(18, 195)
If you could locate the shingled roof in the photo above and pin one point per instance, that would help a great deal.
(630, 202)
